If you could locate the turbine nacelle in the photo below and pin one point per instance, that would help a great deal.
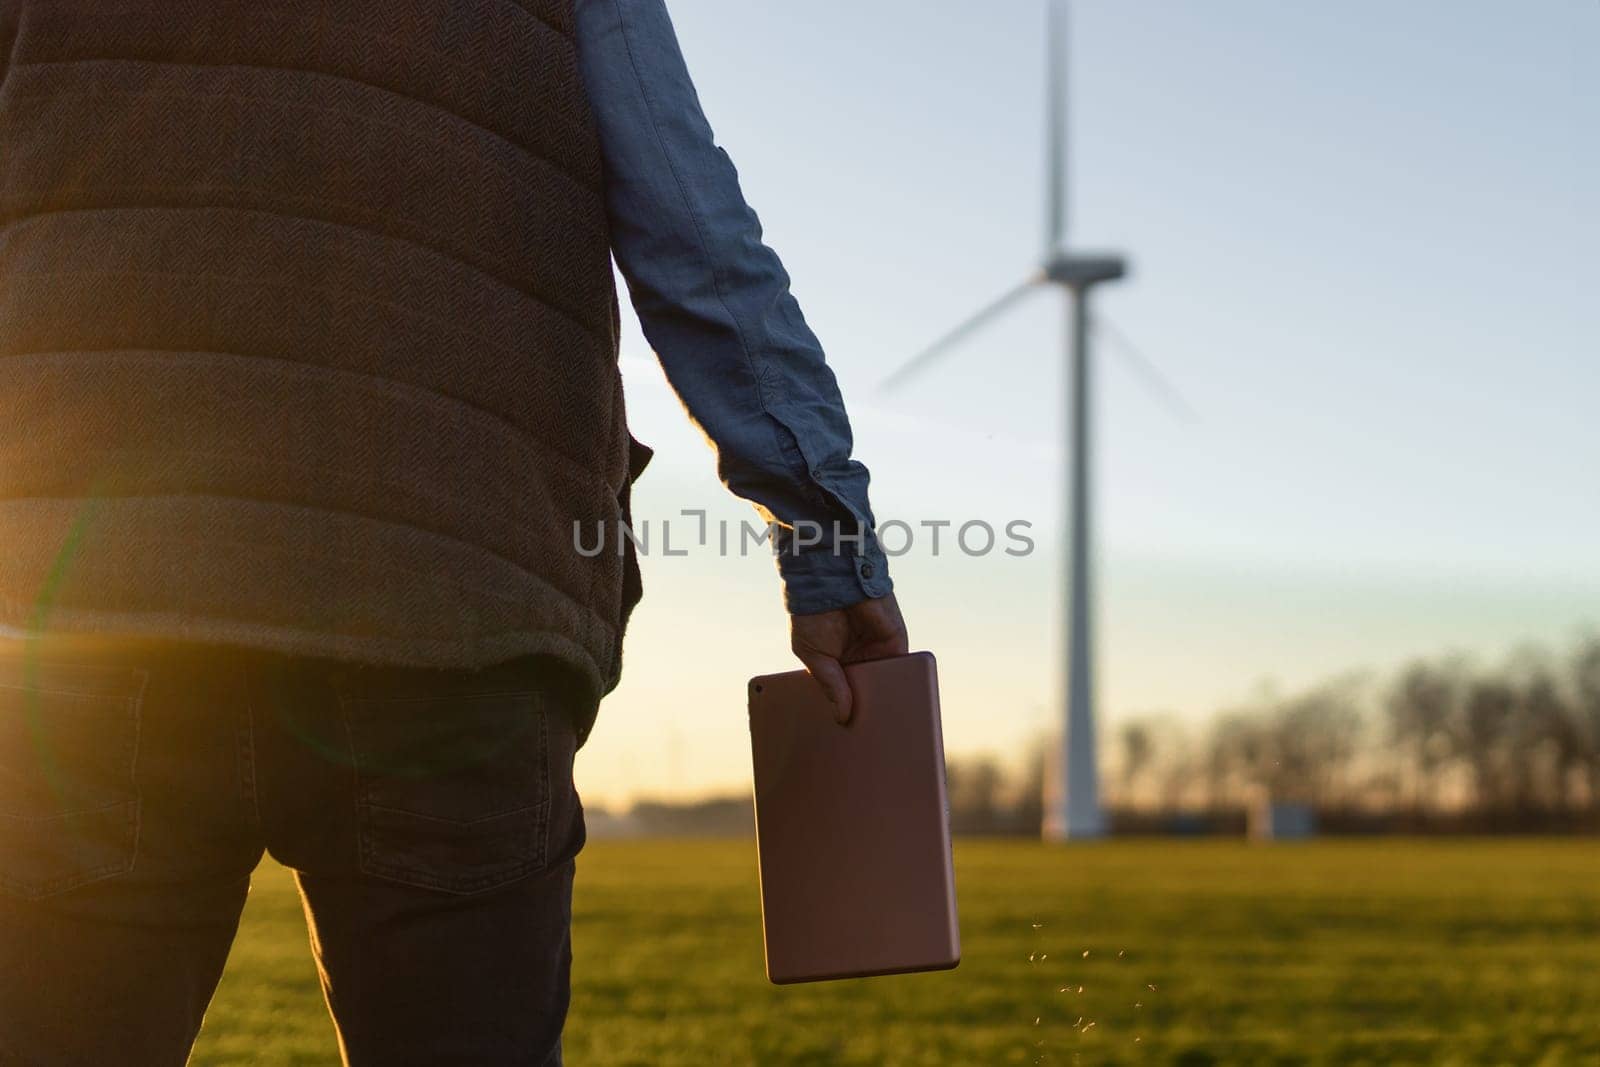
(1082, 271)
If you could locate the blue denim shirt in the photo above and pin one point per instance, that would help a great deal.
(715, 304)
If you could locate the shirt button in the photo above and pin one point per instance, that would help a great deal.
(868, 570)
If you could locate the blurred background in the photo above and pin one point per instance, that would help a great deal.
(1363, 243)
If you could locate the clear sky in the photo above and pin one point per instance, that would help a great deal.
(1364, 240)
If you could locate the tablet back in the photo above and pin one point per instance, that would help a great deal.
(852, 824)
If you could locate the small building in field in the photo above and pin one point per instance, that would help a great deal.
(1275, 819)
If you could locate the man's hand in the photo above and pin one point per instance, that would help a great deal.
(872, 629)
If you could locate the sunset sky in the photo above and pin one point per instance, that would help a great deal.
(1363, 238)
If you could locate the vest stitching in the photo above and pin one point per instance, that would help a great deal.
(564, 32)
(386, 564)
(357, 30)
(320, 555)
(62, 619)
(298, 105)
(195, 452)
(7, 220)
(23, 218)
(555, 164)
(500, 422)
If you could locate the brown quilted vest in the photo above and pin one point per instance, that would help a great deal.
(308, 331)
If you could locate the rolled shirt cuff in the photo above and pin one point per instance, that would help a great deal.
(833, 575)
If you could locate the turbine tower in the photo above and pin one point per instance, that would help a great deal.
(1077, 813)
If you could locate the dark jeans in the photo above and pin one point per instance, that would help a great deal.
(429, 816)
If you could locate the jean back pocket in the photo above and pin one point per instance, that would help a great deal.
(452, 790)
(69, 807)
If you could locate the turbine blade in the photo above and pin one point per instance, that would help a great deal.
(949, 341)
(1055, 126)
(1145, 369)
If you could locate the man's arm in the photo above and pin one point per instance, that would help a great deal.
(715, 304)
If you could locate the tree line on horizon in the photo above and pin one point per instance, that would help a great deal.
(1441, 743)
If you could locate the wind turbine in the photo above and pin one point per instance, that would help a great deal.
(1078, 813)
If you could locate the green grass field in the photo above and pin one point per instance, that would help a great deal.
(1171, 952)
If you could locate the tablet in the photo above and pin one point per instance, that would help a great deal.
(853, 825)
